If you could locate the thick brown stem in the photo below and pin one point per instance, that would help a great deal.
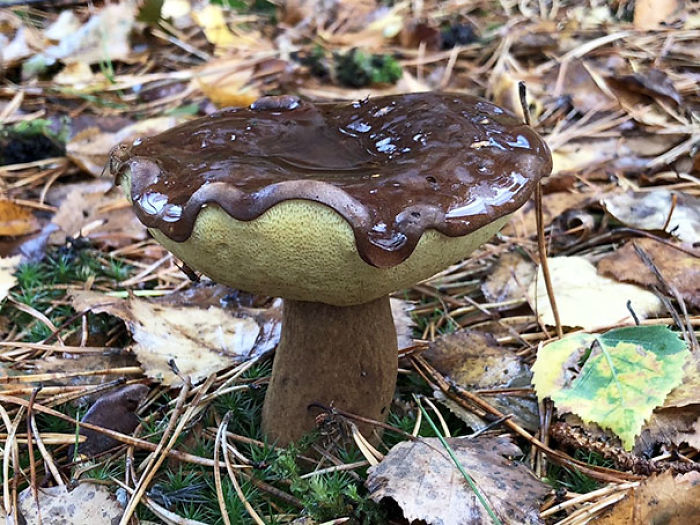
(340, 355)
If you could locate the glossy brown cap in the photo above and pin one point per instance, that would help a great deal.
(392, 167)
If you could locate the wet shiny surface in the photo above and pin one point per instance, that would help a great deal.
(391, 166)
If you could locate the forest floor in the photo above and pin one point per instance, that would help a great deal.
(496, 417)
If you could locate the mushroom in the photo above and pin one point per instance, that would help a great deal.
(332, 206)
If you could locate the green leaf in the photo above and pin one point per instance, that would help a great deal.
(627, 373)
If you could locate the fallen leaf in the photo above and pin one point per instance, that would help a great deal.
(100, 212)
(199, 341)
(509, 278)
(524, 221)
(86, 504)
(231, 82)
(652, 82)
(16, 220)
(66, 24)
(80, 366)
(422, 479)
(105, 36)
(211, 19)
(474, 360)
(650, 211)
(626, 374)
(8, 265)
(669, 426)
(90, 148)
(114, 411)
(678, 420)
(400, 311)
(15, 50)
(664, 499)
(579, 82)
(678, 268)
(650, 14)
(586, 299)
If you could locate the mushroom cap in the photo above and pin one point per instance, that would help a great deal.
(334, 202)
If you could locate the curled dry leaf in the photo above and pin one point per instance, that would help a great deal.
(403, 321)
(651, 82)
(474, 360)
(667, 499)
(587, 299)
(114, 411)
(90, 148)
(200, 341)
(86, 504)
(651, 211)
(679, 269)
(580, 82)
(99, 212)
(424, 481)
(678, 420)
(524, 221)
(16, 220)
(509, 279)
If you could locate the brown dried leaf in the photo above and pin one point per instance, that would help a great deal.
(424, 481)
(509, 279)
(232, 82)
(475, 360)
(659, 499)
(650, 211)
(86, 504)
(200, 341)
(524, 221)
(650, 14)
(678, 268)
(83, 364)
(16, 220)
(99, 212)
(114, 411)
(651, 82)
(575, 79)
(403, 321)
(90, 148)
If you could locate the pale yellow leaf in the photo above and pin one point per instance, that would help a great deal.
(8, 265)
(586, 299)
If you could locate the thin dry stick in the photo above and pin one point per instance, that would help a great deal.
(118, 436)
(443, 423)
(48, 460)
(583, 498)
(217, 472)
(30, 450)
(232, 476)
(586, 514)
(541, 244)
(157, 457)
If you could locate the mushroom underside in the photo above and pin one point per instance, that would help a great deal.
(306, 251)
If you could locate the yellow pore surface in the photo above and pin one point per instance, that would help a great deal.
(306, 251)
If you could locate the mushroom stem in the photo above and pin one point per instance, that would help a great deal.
(345, 356)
